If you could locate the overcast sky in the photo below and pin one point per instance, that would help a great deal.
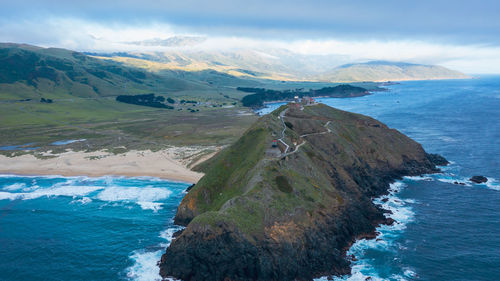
(460, 34)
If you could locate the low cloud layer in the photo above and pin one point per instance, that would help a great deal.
(457, 34)
(460, 21)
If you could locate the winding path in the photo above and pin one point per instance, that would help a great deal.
(282, 116)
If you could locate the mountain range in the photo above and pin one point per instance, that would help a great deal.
(188, 53)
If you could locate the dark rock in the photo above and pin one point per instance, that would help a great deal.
(190, 187)
(387, 212)
(241, 226)
(478, 179)
(177, 233)
(389, 221)
(437, 159)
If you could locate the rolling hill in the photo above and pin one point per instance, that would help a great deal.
(32, 72)
(280, 64)
(49, 94)
(381, 71)
(187, 53)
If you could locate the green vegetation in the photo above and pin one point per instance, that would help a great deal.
(257, 204)
(49, 95)
(264, 95)
(246, 186)
(283, 184)
(227, 178)
(146, 100)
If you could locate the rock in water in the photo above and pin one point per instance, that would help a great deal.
(478, 179)
(258, 215)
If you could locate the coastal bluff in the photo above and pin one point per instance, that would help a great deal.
(287, 199)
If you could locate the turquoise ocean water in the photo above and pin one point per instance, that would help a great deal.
(115, 228)
(81, 228)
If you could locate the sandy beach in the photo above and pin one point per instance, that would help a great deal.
(167, 164)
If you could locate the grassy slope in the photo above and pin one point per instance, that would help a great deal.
(83, 89)
(390, 72)
(244, 187)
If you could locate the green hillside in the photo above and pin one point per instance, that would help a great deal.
(289, 212)
(82, 91)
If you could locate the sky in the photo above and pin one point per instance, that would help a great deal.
(459, 34)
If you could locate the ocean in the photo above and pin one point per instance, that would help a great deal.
(81, 228)
(115, 228)
(444, 231)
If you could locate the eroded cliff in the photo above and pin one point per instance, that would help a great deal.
(290, 212)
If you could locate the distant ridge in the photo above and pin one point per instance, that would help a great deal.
(379, 71)
(174, 41)
(277, 64)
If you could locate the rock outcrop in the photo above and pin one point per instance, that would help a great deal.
(264, 214)
(479, 179)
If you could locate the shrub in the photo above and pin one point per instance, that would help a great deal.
(283, 184)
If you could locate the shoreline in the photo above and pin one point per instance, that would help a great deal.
(161, 164)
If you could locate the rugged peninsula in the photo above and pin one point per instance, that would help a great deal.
(289, 211)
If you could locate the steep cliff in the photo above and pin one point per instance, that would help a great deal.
(289, 212)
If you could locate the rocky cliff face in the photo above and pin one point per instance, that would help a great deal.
(261, 213)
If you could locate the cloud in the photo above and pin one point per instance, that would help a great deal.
(460, 21)
(95, 36)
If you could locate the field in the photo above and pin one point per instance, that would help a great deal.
(107, 124)
(50, 95)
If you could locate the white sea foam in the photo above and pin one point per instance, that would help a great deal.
(410, 273)
(71, 191)
(168, 235)
(419, 178)
(145, 266)
(155, 206)
(15, 186)
(8, 196)
(454, 180)
(402, 213)
(134, 194)
(145, 197)
(493, 184)
(83, 200)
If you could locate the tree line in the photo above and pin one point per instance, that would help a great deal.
(261, 95)
(146, 100)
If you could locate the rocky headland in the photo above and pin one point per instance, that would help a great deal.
(290, 211)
